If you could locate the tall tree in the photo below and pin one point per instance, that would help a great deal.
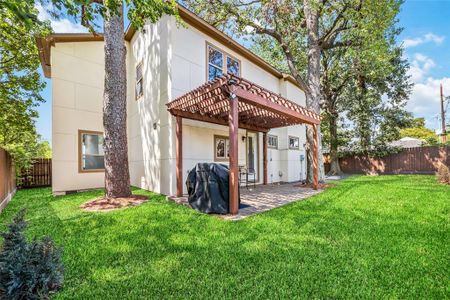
(20, 82)
(378, 97)
(373, 87)
(117, 177)
(301, 29)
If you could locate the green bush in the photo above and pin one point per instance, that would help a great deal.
(28, 270)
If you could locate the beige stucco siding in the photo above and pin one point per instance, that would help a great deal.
(150, 142)
(188, 71)
(77, 89)
(174, 62)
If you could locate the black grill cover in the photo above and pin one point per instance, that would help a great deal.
(207, 186)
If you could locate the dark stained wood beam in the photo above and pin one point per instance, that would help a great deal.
(209, 119)
(262, 103)
(179, 155)
(233, 125)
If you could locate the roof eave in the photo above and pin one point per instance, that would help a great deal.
(44, 43)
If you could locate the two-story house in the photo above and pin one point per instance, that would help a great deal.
(164, 62)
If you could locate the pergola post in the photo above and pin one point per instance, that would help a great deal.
(179, 155)
(315, 157)
(264, 158)
(233, 124)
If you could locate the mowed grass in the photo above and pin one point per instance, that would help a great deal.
(367, 237)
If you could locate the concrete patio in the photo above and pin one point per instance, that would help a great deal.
(262, 198)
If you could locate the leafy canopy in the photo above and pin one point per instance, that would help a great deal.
(91, 12)
(20, 81)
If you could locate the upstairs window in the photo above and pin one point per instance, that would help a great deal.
(91, 155)
(139, 81)
(220, 63)
(272, 142)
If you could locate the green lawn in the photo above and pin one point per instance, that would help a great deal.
(368, 237)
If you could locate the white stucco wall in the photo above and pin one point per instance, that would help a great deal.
(174, 62)
(188, 71)
(147, 116)
(77, 97)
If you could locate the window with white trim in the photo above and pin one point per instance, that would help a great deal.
(272, 141)
(139, 81)
(220, 63)
(294, 143)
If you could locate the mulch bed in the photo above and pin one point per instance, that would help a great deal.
(103, 204)
(321, 185)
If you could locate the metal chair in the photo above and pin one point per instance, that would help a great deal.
(244, 174)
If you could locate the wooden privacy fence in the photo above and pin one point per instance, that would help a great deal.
(421, 160)
(39, 175)
(7, 178)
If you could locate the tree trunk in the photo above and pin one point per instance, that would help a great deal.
(335, 168)
(313, 98)
(117, 176)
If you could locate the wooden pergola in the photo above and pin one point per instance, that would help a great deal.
(238, 103)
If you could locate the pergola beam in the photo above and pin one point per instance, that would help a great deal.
(237, 103)
(179, 155)
(266, 104)
(233, 121)
(208, 119)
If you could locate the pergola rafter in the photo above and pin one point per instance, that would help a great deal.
(238, 103)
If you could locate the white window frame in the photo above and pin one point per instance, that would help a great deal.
(298, 142)
(271, 136)
(139, 80)
(225, 57)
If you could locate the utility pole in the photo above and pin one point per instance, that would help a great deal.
(443, 133)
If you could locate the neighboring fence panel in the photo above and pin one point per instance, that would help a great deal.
(421, 160)
(7, 178)
(39, 175)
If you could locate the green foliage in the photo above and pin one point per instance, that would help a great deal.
(376, 151)
(20, 81)
(371, 237)
(364, 84)
(91, 12)
(419, 131)
(28, 270)
(377, 95)
(270, 51)
(43, 150)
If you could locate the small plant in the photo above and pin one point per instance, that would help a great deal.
(443, 174)
(28, 270)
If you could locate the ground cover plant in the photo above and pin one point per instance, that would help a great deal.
(366, 237)
(28, 269)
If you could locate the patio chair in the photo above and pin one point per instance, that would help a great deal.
(244, 174)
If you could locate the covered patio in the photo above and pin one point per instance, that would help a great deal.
(238, 103)
(263, 198)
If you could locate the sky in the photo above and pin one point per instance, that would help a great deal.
(425, 36)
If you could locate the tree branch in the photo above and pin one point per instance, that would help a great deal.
(291, 62)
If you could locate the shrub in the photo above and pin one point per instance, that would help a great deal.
(443, 174)
(28, 270)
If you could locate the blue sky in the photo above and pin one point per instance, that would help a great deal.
(426, 37)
